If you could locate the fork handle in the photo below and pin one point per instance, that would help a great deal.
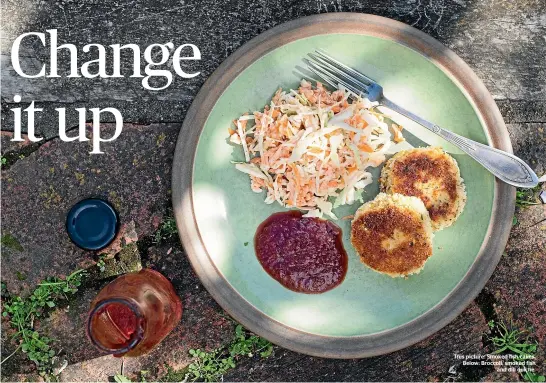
(505, 166)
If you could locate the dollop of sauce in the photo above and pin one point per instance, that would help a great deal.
(303, 254)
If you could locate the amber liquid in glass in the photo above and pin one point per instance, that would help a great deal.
(133, 313)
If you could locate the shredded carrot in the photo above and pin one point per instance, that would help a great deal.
(315, 150)
(397, 132)
(309, 145)
(365, 148)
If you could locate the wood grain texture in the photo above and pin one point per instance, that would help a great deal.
(502, 41)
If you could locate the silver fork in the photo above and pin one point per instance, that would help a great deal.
(503, 165)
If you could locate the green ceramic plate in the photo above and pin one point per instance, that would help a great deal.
(217, 213)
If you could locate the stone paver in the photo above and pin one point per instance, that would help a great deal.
(133, 174)
(429, 360)
(203, 325)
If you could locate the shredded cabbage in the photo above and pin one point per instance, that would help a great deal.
(309, 145)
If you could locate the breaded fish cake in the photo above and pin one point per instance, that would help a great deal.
(432, 175)
(393, 234)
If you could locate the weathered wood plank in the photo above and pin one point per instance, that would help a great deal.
(529, 143)
(503, 41)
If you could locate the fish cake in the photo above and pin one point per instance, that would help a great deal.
(431, 175)
(392, 234)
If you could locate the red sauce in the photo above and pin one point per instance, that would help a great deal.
(123, 318)
(302, 254)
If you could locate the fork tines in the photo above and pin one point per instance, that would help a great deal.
(338, 74)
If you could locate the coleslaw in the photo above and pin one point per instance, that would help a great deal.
(310, 147)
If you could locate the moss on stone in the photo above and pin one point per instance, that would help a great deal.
(126, 261)
(174, 375)
(11, 242)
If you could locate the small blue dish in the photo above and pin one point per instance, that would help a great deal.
(92, 224)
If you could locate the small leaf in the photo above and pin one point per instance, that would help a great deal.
(51, 303)
(121, 378)
(267, 352)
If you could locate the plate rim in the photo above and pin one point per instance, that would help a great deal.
(340, 347)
